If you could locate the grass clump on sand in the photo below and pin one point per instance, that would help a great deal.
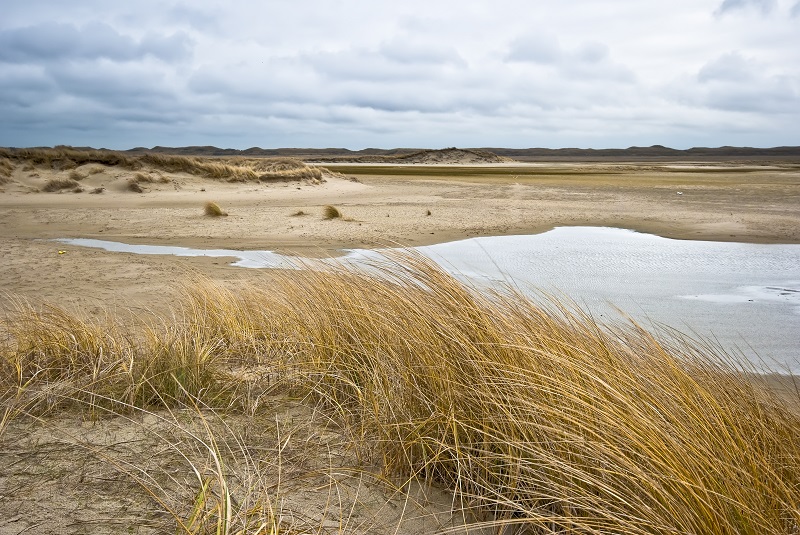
(6, 168)
(331, 212)
(533, 415)
(60, 183)
(212, 209)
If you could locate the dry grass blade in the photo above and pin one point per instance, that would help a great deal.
(58, 184)
(532, 413)
(331, 212)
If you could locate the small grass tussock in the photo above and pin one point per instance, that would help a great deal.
(532, 414)
(60, 183)
(212, 209)
(331, 212)
(6, 168)
(142, 178)
(134, 186)
(76, 175)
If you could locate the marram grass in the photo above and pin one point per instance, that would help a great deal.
(533, 415)
(229, 169)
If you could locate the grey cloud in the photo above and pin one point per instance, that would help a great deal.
(57, 41)
(592, 52)
(170, 48)
(114, 83)
(197, 18)
(407, 51)
(536, 48)
(733, 83)
(727, 6)
(729, 67)
(795, 12)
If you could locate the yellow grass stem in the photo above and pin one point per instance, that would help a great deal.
(532, 413)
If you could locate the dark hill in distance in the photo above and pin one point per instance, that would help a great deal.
(415, 155)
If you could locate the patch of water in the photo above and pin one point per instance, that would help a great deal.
(745, 296)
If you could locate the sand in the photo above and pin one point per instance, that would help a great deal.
(50, 485)
(387, 205)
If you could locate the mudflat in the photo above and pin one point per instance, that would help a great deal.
(380, 205)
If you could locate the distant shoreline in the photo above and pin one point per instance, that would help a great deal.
(652, 153)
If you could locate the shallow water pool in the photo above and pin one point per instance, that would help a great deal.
(745, 296)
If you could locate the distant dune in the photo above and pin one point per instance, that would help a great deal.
(408, 155)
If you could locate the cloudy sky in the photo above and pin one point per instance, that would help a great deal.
(417, 73)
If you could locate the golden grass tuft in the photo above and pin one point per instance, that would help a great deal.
(134, 186)
(213, 209)
(6, 168)
(534, 415)
(61, 183)
(331, 212)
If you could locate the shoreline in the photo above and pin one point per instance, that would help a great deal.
(398, 206)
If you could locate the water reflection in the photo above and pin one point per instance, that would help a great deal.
(746, 296)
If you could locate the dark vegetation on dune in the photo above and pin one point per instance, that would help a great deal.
(230, 169)
(652, 153)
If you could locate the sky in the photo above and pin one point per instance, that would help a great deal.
(417, 73)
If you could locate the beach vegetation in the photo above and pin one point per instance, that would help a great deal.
(533, 415)
(331, 212)
(213, 209)
(6, 168)
(236, 169)
(60, 183)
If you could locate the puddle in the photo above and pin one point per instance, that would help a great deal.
(247, 259)
(743, 295)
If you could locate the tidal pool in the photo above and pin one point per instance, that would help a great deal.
(746, 297)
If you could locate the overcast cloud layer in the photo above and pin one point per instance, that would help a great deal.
(350, 73)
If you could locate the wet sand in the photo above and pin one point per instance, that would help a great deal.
(387, 205)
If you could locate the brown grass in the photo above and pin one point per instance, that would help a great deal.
(61, 183)
(331, 212)
(232, 170)
(6, 168)
(134, 186)
(533, 415)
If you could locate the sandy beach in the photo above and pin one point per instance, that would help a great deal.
(381, 205)
(288, 448)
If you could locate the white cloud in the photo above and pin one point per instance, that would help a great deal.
(316, 73)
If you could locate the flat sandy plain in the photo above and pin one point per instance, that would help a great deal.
(381, 204)
(57, 477)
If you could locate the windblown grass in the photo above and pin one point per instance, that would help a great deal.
(6, 168)
(331, 212)
(58, 184)
(533, 415)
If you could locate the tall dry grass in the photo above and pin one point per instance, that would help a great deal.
(6, 168)
(58, 184)
(533, 414)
